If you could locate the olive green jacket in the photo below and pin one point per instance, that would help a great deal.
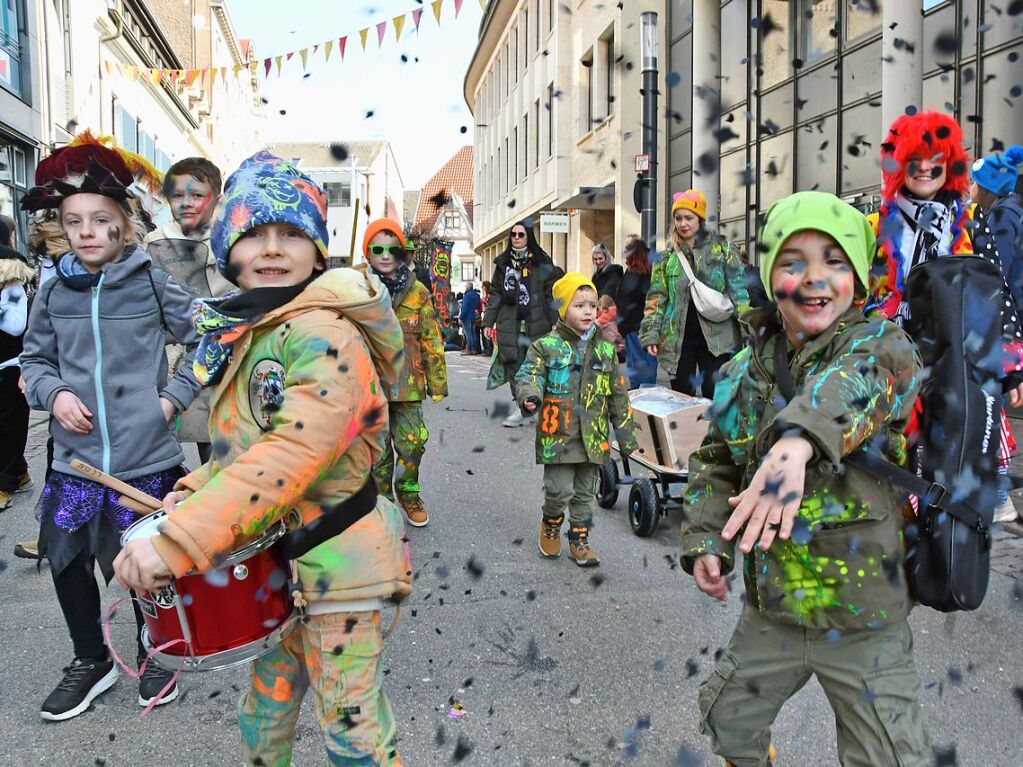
(843, 565)
(582, 389)
(716, 264)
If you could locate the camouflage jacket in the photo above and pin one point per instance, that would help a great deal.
(424, 371)
(843, 565)
(582, 388)
(715, 264)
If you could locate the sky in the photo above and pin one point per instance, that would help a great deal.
(416, 104)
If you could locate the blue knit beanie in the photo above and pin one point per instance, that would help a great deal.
(267, 190)
(998, 172)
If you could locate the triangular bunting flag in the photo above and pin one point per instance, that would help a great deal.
(362, 36)
(213, 77)
(155, 75)
(304, 55)
(191, 76)
(278, 60)
(107, 66)
(202, 78)
(399, 23)
(266, 66)
(327, 48)
(223, 73)
(417, 14)
(458, 7)
(483, 5)
(436, 4)
(290, 54)
(237, 70)
(381, 31)
(341, 43)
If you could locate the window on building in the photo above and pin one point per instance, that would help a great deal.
(162, 160)
(10, 46)
(861, 18)
(515, 157)
(147, 146)
(776, 48)
(607, 45)
(536, 132)
(819, 26)
(339, 193)
(507, 175)
(550, 120)
(525, 35)
(586, 88)
(525, 145)
(515, 71)
(551, 10)
(536, 16)
(126, 128)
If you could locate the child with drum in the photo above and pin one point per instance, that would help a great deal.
(90, 359)
(301, 359)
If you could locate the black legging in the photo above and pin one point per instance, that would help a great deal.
(13, 430)
(78, 594)
(695, 357)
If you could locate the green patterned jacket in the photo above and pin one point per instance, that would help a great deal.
(582, 389)
(716, 264)
(843, 565)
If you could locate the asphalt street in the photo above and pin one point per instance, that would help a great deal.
(552, 664)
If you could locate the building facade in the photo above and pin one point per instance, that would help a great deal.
(809, 87)
(555, 90)
(362, 182)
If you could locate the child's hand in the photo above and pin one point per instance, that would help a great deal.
(71, 413)
(708, 577)
(770, 503)
(652, 350)
(168, 409)
(140, 566)
(173, 499)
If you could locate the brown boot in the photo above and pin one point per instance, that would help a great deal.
(415, 511)
(772, 754)
(579, 547)
(550, 536)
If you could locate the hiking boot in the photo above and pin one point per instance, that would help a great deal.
(6, 499)
(84, 680)
(415, 511)
(550, 536)
(154, 679)
(1005, 511)
(27, 549)
(516, 419)
(579, 548)
(25, 483)
(772, 754)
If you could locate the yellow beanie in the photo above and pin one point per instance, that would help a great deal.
(690, 200)
(565, 288)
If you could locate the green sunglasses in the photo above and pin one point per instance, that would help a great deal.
(397, 251)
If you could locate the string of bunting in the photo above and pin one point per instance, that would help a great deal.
(207, 77)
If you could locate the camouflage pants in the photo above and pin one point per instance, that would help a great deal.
(337, 657)
(406, 443)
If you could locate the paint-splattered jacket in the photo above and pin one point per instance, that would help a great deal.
(424, 371)
(843, 565)
(716, 264)
(583, 389)
(890, 266)
(298, 420)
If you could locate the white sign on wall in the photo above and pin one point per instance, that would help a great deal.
(554, 223)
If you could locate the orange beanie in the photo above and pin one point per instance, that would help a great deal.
(382, 225)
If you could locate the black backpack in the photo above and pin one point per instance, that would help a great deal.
(955, 322)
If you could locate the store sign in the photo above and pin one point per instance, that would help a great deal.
(554, 223)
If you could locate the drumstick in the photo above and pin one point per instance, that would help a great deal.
(115, 484)
(139, 508)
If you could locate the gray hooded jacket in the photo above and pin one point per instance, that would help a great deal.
(105, 344)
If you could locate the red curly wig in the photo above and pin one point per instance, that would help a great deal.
(924, 134)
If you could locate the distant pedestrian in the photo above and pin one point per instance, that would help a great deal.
(521, 308)
(92, 357)
(691, 346)
(15, 276)
(640, 365)
(423, 373)
(606, 274)
(469, 316)
(607, 321)
(572, 379)
(993, 191)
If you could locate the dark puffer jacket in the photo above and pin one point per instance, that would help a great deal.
(503, 307)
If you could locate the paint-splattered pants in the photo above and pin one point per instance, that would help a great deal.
(573, 485)
(868, 676)
(336, 657)
(406, 444)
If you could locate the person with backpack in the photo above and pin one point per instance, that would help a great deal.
(924, 216)
(820, 540)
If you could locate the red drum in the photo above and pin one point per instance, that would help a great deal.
(226, 616)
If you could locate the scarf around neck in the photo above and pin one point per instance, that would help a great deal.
(929, 231)
(396, 282)
(222, 321)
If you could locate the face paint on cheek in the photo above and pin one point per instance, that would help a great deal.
(789, 290)
(114, 234)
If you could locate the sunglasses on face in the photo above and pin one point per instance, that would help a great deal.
(518, 234)
(395, 250)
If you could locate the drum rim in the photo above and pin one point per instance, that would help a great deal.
(247, 551)
(225, 659)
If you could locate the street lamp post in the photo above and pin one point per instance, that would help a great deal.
(648, 49)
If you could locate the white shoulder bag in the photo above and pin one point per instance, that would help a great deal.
(712, 305)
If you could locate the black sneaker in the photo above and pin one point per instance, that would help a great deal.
(83, 681)
(153, 680)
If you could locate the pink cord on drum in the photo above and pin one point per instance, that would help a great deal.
(105, 623)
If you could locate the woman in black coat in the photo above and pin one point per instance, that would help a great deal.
(606, 274)
(630, 298)
(521, 307)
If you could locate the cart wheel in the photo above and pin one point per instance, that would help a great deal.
(607, 495)
(643, 504)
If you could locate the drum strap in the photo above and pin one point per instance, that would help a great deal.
(334, 521)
